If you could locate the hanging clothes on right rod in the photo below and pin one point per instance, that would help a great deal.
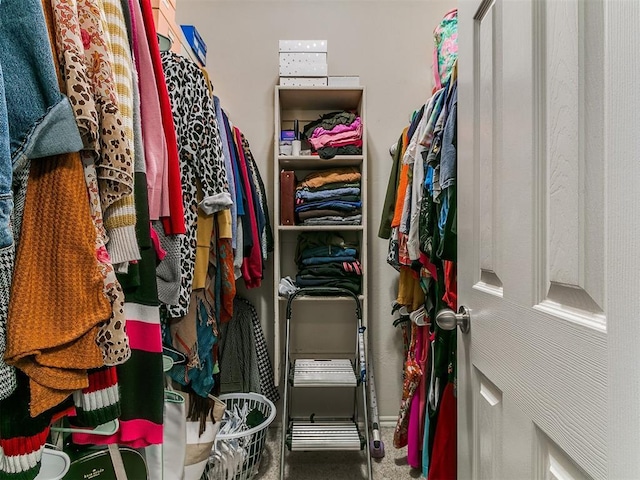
(419, 220)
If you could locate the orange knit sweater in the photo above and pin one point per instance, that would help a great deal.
(57, 298)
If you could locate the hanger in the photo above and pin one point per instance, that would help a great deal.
(164, 42)
(395, 306)
(403, 312)
(419, 317)
(105, 430)
(171, 396)
(178, 358)
(167, 363)
(55, 464)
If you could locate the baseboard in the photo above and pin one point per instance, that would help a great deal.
(388, 420)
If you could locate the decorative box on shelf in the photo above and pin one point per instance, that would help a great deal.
(319, 46)
(303, 81)
(195, 42)
(303, 70)
(344, 81)
(301, 59)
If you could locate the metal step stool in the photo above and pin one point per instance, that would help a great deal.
(326, 434)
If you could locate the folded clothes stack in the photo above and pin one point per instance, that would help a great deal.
(330, 197)
(336, 133)
(324, 259)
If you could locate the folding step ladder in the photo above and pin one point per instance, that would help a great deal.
(326, 434)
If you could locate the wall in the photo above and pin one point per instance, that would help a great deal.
(389, 44)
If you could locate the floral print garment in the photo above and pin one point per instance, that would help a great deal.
(70, 47)
(445, 52)
(114, 159)
(112, 337)
(90, 91)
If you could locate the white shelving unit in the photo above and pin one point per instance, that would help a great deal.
(306, 104)
(320, 337)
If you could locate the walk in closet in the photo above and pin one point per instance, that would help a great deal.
(177, 187)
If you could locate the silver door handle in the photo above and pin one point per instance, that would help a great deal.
(447, 319)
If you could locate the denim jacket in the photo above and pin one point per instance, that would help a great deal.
(36, 120)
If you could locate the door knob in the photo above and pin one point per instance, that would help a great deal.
(447, 319)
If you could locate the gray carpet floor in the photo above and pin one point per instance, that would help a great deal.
(334, 465)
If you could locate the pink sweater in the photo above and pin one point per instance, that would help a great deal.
(319, 131)
(252, 264)
(155, 146)
(329, 139)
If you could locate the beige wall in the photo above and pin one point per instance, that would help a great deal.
(389, 44)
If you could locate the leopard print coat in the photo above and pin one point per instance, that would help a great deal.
(201, 160)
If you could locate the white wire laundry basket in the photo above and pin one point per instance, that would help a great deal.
(245, 446)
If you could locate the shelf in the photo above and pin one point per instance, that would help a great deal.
(312, 161)
(320, 98)
(307, 104)
(321, 298)
(304, 228)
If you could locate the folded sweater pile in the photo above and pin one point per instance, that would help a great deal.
(330, 197)
(336, 133)
(324, 259)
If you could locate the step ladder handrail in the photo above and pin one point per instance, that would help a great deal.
(328, 291)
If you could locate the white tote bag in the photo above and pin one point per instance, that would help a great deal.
(199, 446)
(166, 461)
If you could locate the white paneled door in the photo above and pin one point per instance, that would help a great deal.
(549, 239)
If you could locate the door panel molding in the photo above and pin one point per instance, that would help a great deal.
(569, 149)
(488, 415)
(488, 132)
(552, 463)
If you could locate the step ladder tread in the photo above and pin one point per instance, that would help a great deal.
(324, 435)
(323, 373)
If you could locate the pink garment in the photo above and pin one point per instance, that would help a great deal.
(140, 338)
(155, 240)
(252, 264)
(325, 140)
(414, 446)
(155, 145)
(344, 143)
(319, 131)
(427, 338)
(134, 36)
(137, 433)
